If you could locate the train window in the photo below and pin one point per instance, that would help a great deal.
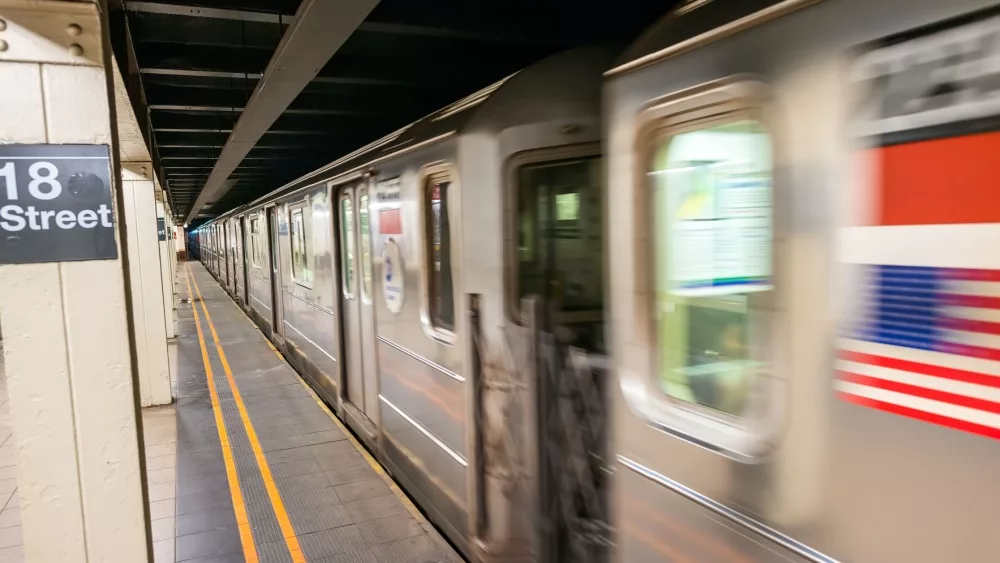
(347, 245)
(711, 206)
(366, 246)
(254, 243)
(440, 289)
(559, 238)
(301, 270)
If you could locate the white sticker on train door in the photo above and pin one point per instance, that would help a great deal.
(392, 276)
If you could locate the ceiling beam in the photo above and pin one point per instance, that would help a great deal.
(321, 27)
(347, 80)
(372, 27)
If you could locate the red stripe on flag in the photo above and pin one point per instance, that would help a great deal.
(965, 274)
(925, 369)
(976, 301)
(969, 325)
(940, 420)
(940, 181)
(966, 350)
(923, 392)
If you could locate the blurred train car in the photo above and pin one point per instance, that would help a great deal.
(758, 324)
(803, 288)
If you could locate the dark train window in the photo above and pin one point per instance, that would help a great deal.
(347, 244)
(254, 243)
(440, 289)
(301, 270)
(366, 246)
(560, 235)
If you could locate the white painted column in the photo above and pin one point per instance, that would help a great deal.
(67, 351)
(147, 287)
(181, 241)
(166, 267)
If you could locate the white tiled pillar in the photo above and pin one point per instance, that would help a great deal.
(148, 308)
(166, 266)
(66, 334)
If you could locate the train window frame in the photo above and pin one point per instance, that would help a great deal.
(365, 242)
(751, 435)
(512, 168)
(437, 172)
(299, 208)
(254, 227)
(347, 286)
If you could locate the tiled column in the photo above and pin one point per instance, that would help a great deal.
(67, 350)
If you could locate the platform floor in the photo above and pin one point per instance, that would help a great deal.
(249, 466)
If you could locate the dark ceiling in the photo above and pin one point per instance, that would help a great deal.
(190, 67)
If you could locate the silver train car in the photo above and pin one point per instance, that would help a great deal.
(733, 296)
(367, 273)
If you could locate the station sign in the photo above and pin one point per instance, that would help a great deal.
(56, 204)
(161, 228)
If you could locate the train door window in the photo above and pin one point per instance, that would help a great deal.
(560, 242)
(366, 246)
(301, 266)
(711, 206)
(254, 242)
(347, 245)
(437, 252)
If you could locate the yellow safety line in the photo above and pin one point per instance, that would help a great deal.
(375, 465)
(242, 521)
(272, 490)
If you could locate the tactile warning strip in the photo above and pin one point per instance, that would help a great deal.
(338, 504)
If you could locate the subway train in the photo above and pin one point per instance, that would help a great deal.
(731, 294)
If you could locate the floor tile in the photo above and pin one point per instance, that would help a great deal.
(163, 551)
(360, 490)
(162, 491)
(194, 485)
(160, 509)
(157, 476)
(162, 529)
(10, 517)
(204, 544)
(205, 520)
(9, 537)
(12, 555)
(205, 501)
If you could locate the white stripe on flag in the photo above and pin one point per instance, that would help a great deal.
(920, 380)
(919, 403)
(978, 288)
(937, 246)
(971, 338)
(953, 361)
(972, 313)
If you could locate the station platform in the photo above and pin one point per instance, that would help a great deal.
(250, 466)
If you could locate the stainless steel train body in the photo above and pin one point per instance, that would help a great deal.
(362, 273)
(738, 431)
(821, 445)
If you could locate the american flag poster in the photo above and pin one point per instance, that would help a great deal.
(922, 339)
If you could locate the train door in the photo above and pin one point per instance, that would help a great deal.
(245, 262)
(241, 261)
(277, 316)
(367, 308)
(558, 257)
(233, 257)
(224, 248)
(351, 298)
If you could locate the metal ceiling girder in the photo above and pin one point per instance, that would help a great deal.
(373, 27)
(320, 28)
